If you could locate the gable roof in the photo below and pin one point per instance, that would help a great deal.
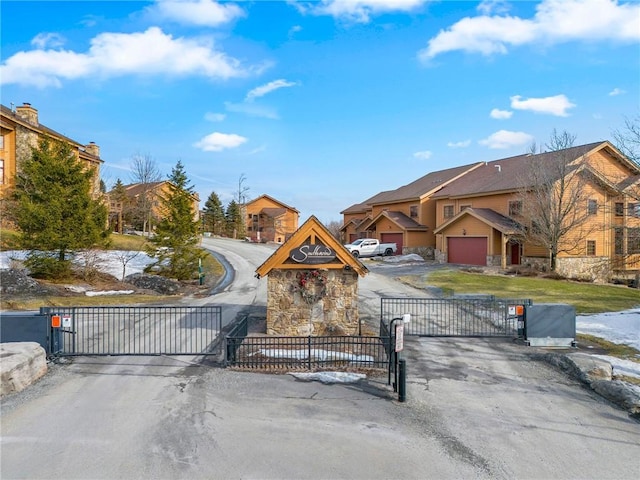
(13, 116)
(366, 205)
(268, 197)
(490, 217)
(400, 219)
(312, 232)
(506, 174)
(427, 185)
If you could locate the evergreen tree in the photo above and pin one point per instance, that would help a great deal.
(234, 220)
(174, 244)
(54, 209)
(214, 218)
(118, 195)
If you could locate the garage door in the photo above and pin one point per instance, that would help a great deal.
(467, 251)
(392, 238)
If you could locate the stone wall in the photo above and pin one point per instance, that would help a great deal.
(593, 269)
(327, 304)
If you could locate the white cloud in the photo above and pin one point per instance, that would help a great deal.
(358, 11)
(293, 30)
(462, 144)
(267, 88)
(616, 91)
(216, 142)
(487, 7)
(52, 40)
(252, 110)
(425, 155)
(500, 114)
(151, 52)
(555, 21)
(556, 105)
(506, 139)
(197, 12)
(214, 117)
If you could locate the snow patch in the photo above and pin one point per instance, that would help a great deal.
(330, 377)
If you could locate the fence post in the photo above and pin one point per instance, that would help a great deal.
(402, 380)
(309, 352)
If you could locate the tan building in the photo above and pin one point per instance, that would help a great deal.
(270, 220)
(20, 131)
(142, 208)
(483, 215)
(406, 216)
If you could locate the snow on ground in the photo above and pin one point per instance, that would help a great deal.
(329, 377)
(617, 327)
(113, 262)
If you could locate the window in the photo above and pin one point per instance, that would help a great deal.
(618, 240)
(591, 247)
(1, 171)
(448, 211)
(592, 207)
(462, 207)
(515, 208)
(619, 209)
(536, 228)
(413, 211)
(1, 142)
(633, 240)
(633, 210)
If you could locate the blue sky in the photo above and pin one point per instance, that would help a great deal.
(320, 104)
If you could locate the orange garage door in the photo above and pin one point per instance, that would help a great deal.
(467, 250)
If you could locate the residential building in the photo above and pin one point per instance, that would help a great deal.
(485, 215)
(21, 130)
(405, 216)
(270, 220)
(142, 207)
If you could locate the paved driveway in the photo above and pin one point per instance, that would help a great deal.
(475, 409)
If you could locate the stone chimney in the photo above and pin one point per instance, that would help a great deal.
(92, 149)
(28, 113)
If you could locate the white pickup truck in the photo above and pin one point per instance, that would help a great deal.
(370, 247)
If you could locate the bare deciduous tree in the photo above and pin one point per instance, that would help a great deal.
(628, 139)
(555, 209)
(334, 227)
(145, 172)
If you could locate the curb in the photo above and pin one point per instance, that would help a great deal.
(597, 374)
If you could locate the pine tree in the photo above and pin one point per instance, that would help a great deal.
(55, 211)
(234, 220)
(174, 244)
(118, 195)
(214, 219)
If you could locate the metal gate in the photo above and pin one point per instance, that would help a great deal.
(135, 330)
(457, 317)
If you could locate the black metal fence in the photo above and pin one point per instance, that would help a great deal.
(148, 330)
(304, 353)
(484, 316)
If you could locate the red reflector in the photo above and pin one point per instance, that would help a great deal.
(519, 310)
(56, 321)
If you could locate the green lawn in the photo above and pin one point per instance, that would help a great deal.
(585, 297)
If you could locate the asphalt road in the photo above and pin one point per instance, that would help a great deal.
(475, 409)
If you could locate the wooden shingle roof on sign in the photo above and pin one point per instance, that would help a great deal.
(312, 232)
